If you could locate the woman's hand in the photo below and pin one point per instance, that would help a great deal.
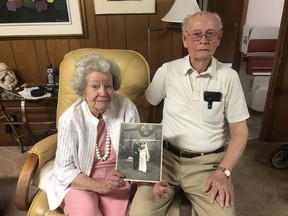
(113, 181)
(162, 189)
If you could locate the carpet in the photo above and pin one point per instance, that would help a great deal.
(260, 189)
(11, 162)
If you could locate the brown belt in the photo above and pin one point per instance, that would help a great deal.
(187, 153)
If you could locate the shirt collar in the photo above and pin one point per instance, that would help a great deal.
(211, 69)
(187, 66)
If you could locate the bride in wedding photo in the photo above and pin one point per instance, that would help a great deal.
(144, 157)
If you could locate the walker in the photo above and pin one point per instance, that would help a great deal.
(279, 158)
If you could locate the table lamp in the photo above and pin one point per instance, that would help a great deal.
(179, 10)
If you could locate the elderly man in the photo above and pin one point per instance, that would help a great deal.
(203, 101)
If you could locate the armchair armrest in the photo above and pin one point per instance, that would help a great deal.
(45, 149)
(41, 153)
(23, 184)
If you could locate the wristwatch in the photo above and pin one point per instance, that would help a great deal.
(226, 171)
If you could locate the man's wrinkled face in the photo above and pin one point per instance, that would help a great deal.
(202, 37)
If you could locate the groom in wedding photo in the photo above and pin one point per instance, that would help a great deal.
(136, 146)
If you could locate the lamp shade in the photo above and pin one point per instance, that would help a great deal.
(180, 9)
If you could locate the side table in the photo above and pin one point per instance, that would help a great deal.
(13, 104)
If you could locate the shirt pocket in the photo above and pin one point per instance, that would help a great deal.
(215, 114)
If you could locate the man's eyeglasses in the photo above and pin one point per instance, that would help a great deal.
(210, 35)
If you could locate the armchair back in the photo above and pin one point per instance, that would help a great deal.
(134, 72)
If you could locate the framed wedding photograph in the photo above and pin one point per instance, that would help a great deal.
(43, 18)
(140, 152)
(124, 6)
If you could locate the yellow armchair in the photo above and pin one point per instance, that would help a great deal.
(135, 79)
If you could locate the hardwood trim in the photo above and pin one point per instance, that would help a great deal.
(23, 200)
(237, 54)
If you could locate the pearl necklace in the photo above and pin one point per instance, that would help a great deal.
(107, 149)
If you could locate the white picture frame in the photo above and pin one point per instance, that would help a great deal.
(124, 7)
(74, 27)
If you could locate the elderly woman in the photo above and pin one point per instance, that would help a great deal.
(84, 180)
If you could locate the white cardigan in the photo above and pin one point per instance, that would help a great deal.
(77, 136)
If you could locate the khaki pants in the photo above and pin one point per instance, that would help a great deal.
(191, 175)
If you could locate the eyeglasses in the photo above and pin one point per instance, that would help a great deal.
(210, 35)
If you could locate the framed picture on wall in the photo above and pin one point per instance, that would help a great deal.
(140, 152)
(124, 6)
(42, 18)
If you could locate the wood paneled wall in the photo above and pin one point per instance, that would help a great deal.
(29, 57)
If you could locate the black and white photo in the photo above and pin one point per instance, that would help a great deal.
(140, 152)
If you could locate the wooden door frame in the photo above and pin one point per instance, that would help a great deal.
(279, 72)
(237, 53)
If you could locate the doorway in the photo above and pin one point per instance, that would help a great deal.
(233, 20)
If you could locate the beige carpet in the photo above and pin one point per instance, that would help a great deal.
(11, 162)
(260, 190)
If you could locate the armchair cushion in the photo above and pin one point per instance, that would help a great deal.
(39, 178)
(134, 72)
(39, 206)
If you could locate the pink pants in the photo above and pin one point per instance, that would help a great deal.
(88, 203)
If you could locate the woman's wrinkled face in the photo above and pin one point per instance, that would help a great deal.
(98, 92)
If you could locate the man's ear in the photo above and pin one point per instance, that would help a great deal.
(184, 39)
(220, 35)
(219, 38)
